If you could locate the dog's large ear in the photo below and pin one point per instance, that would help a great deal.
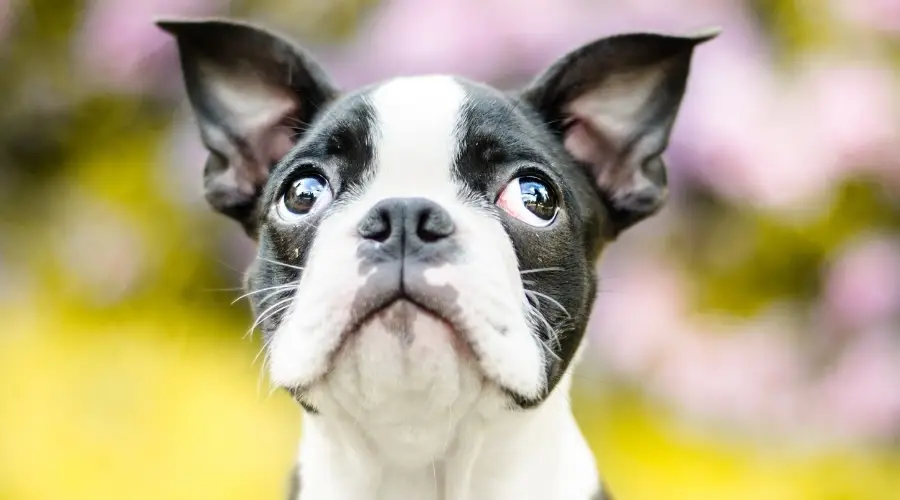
(613, 103)
(253, 92)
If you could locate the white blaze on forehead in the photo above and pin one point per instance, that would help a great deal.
(416, 127)
(417, 137)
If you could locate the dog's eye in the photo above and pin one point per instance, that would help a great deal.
(303, 197)
(530, 200)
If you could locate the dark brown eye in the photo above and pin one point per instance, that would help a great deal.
(304, 196)
(537, 198)
(530, 200)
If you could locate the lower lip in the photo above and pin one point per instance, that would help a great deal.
(457, 338)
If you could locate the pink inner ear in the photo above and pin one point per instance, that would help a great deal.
(269, 146)
(281, 141)
(586, 144)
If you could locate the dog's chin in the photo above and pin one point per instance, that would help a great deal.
(400, 345)
(402, 356)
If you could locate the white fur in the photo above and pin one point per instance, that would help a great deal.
(493, 454)
(422, 418)
(416, 141)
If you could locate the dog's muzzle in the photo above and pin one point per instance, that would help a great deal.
(401, 239)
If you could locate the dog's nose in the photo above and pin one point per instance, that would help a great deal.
(406, 226)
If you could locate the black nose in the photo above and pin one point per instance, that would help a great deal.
(407, 225)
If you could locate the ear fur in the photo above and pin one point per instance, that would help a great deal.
(252, 92)
(614, 102)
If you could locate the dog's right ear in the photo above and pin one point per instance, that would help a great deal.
(613, 103)
(253, 93)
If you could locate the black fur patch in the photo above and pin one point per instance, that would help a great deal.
(500, 138)
(503, 138)
(339, 148)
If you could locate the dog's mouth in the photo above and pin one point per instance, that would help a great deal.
(398, 312)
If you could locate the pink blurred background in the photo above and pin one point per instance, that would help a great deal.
(763, 304)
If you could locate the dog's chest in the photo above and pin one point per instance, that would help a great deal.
(539, 456)
(430, 483)
(423, 484)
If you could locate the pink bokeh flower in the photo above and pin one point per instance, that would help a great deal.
(740, 373)
(752, 374)
(761, 137)
(876, 15)
(499, 40)
(862, 287)
(860, 396)
(784, 141)
(855, 110)
(118, 42)
(742, 134)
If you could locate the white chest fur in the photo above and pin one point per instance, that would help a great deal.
(491, 454)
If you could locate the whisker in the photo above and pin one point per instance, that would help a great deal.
(270, 296)
(551, 333)
(280, 263)
(265, 364)
(552, 301)
(228, 289)
(276, 287)
(264, 348)
(265, 314)
(541, 270)
(268, 313)
(548, 349)
(272, 390)
(228, 266)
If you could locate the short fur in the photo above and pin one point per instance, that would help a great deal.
(428, 329)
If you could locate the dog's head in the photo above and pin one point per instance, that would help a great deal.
(428, 236)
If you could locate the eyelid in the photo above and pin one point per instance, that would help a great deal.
(301, 168)
(536, 170)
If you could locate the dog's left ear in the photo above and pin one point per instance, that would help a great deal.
(613, 103)
(253, 93)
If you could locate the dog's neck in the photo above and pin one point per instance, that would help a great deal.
(491, 455)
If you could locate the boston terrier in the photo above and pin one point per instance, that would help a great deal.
(427, 249)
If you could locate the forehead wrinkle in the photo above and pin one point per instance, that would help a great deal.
(416, 122)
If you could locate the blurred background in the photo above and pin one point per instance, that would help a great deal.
(745, 343)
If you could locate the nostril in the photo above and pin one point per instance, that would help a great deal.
(405, 223)
(375, 226)
(433, 225)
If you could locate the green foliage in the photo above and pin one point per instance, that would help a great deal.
(743, 261)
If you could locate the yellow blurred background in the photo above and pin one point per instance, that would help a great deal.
(745, 345)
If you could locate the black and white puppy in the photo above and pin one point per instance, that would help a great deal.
(427, 250)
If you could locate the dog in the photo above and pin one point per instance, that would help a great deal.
(427, 249)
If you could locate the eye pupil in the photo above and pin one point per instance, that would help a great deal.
(537, 198)
(301, 196)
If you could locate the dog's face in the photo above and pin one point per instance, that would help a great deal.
(428, 237)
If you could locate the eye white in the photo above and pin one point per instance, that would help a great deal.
(513, 203)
